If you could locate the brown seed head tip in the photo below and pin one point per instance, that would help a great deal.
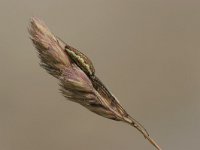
(33, 24)
(37, 26)
(36, 22)
(50, 50)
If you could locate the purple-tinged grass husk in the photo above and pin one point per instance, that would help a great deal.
(75, 84)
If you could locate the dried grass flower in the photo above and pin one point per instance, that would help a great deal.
(77, 78)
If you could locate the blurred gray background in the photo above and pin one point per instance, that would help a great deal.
(146, 51)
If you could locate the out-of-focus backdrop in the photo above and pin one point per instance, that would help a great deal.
(146, 52)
